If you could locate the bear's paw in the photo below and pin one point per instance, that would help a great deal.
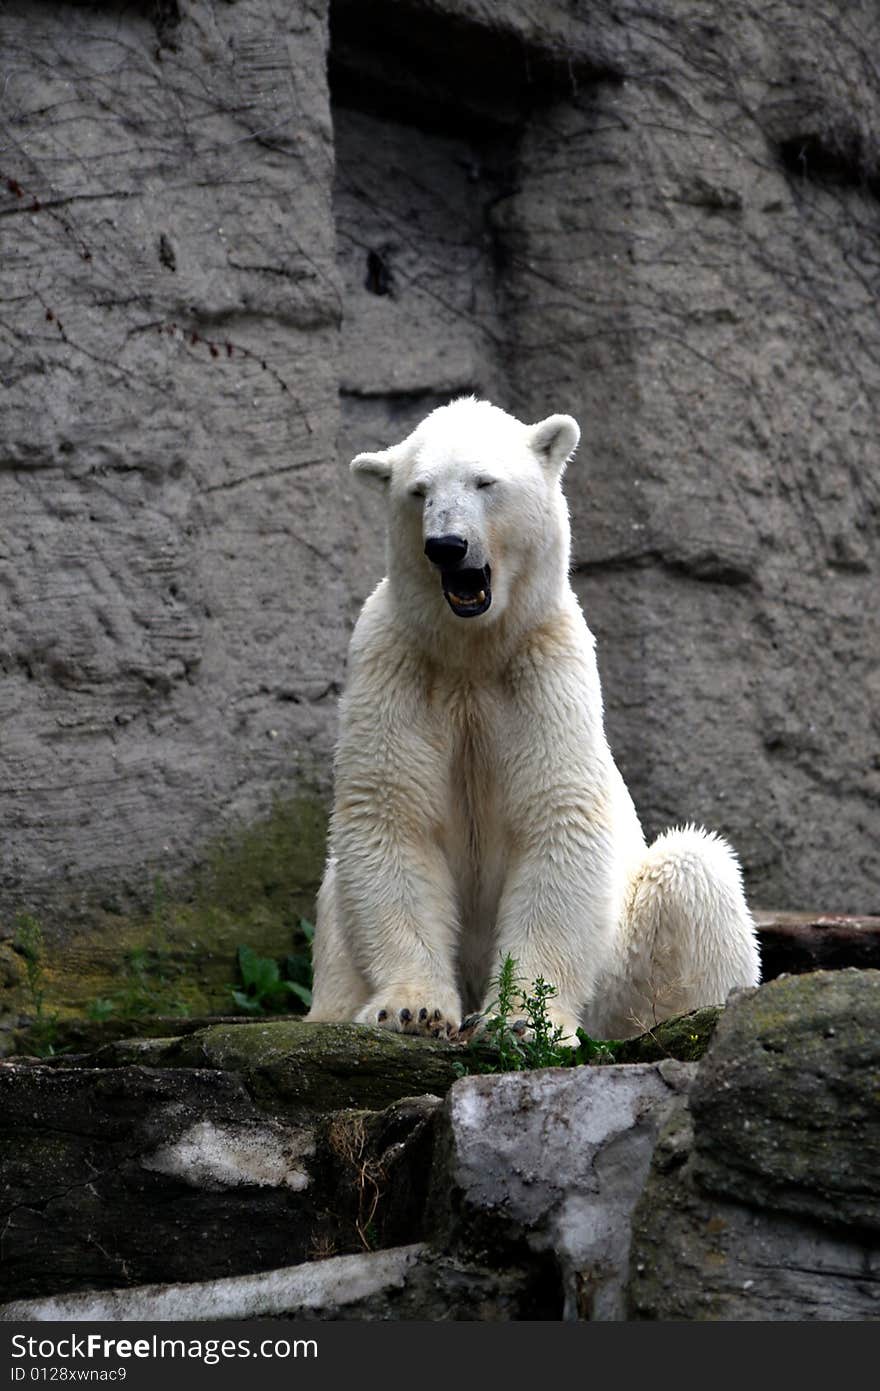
(413, 1010)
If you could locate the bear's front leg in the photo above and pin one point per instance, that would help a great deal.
(556, 925)
(398, 904)
(396, 901)
(560, 901)
(396, 898)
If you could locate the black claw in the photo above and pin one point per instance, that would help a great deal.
(383, 1014)
(437, 1014)
(405, 1016)
(471, 1022)
(423, 1014)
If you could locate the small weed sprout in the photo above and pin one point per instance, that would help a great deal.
(147, 985)
(101, 1009)
(519, 1024)
(524, 1036)
(29, 943)
(148, 971)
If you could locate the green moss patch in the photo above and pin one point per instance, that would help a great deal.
(686, 1037)
(178, 958)
(290, 1064)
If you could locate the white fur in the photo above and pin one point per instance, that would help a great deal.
(478, 809)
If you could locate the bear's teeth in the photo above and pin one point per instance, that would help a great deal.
(466, 599)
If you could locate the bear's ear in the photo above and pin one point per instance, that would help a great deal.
(554, 440)
(375, 468)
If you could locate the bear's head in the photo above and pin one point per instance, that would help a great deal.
(477, 516)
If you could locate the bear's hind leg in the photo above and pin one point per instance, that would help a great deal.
(338, 988)
(688, 937)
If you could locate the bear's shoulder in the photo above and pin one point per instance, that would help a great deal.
(562, 636)
(380, 645)
(559, 653)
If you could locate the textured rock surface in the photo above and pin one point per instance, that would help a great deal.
(334, 1284)
(762, 1197)
(374, 1168)
(786, 1107)
(133, 1175)
(553, 1161)
(740, 1187)
(333, 1065)
(292, 1064)
(234, 1149)
(168, 412)
(699, 1256)
(658, 218)
(686, 1037)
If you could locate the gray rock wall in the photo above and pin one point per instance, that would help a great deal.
(662, 219)
(173, 611)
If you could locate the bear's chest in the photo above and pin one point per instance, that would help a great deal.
(473, 825)
(468, 730)
(472, 816)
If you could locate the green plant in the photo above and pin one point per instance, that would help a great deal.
(29, 943)
(101, 1009)
(146, 982)
(594, 1050)
(519, 1024)
(523, 1034)
(263, 988)
(147, 987)
(298, 965)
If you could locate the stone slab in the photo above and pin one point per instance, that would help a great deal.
(762, 1197)
(553, 1161)
(785, 1103)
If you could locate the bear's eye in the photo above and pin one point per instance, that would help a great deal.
(486, 482)
(417, 490)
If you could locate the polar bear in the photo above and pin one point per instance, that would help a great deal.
(478, 810)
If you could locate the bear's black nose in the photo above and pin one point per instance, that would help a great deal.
(446, 550)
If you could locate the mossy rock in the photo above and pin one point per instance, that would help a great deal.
(75, 1040)
(786, 1106)
(179, 957)
(289, 1063)
(686, 1038)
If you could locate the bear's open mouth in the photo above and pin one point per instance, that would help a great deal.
(467, 592)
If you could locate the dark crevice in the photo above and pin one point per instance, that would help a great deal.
(405, 406)
(838, 161)
(407, 400)
(380, 277)
(165, 15)
(707, 567)
(444, 74)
